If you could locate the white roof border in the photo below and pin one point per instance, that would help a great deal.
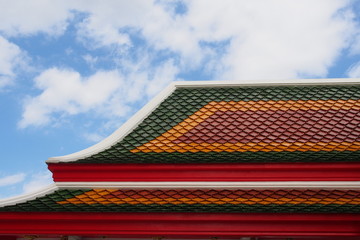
(120, 133)
(254, 83)
(30, 196)
(214, 185)
(134, 121)
(338, 185)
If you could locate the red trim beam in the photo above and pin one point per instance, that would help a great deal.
(182, 225)
(72, 172)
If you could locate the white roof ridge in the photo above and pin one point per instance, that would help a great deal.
(262, 82)
(29, 196)
(335, 185)
(120, 133)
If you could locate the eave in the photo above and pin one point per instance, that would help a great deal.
(180, 225)
(338, 185)
(205, 172)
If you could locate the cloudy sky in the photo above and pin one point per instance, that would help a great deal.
(71, 72)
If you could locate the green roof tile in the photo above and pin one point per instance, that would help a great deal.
(259, 201)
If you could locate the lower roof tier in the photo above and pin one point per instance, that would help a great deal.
(194, 200)
(244, 124)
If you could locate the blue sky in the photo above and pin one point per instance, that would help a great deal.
(71, 72)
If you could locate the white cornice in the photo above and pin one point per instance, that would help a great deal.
(215, 185)
(134, 121)
(30, 196)
(254, 83)
(339, 185)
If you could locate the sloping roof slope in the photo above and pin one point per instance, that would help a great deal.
(194, 200)
(232, 124)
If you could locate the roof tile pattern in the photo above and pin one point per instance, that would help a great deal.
(246, 124)
(195, 200)
(264, 126)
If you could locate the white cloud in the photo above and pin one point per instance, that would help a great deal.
(11, 57)
(66, 92)
(268, 39)
(22, 17)
(262, 39)
(109, 24)
(90, 60)
(12, 179)
(93, 137)
(273, 39)
(355, 47)
(38, 181)
(163, 75)
(354, 71)
(101, 35)
(105, 21)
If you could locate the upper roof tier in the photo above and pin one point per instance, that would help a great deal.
(217, 122)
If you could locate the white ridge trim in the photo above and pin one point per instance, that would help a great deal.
(340, 185)
(120, 133)
(254, 83)
(30, 196)
(134, 121)
(213, 185)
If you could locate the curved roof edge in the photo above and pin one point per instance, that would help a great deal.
(339, 185)
(134, 121)
(30, 196)
(120, 133)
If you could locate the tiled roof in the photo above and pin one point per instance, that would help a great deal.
(194, 200)
(232, 124)
(245, 124)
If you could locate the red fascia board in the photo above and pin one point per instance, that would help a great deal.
(8, 237)
(179, 225)
(73, 172)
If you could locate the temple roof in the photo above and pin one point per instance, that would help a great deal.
(234, 123)
(211, 155)
(245, 200)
